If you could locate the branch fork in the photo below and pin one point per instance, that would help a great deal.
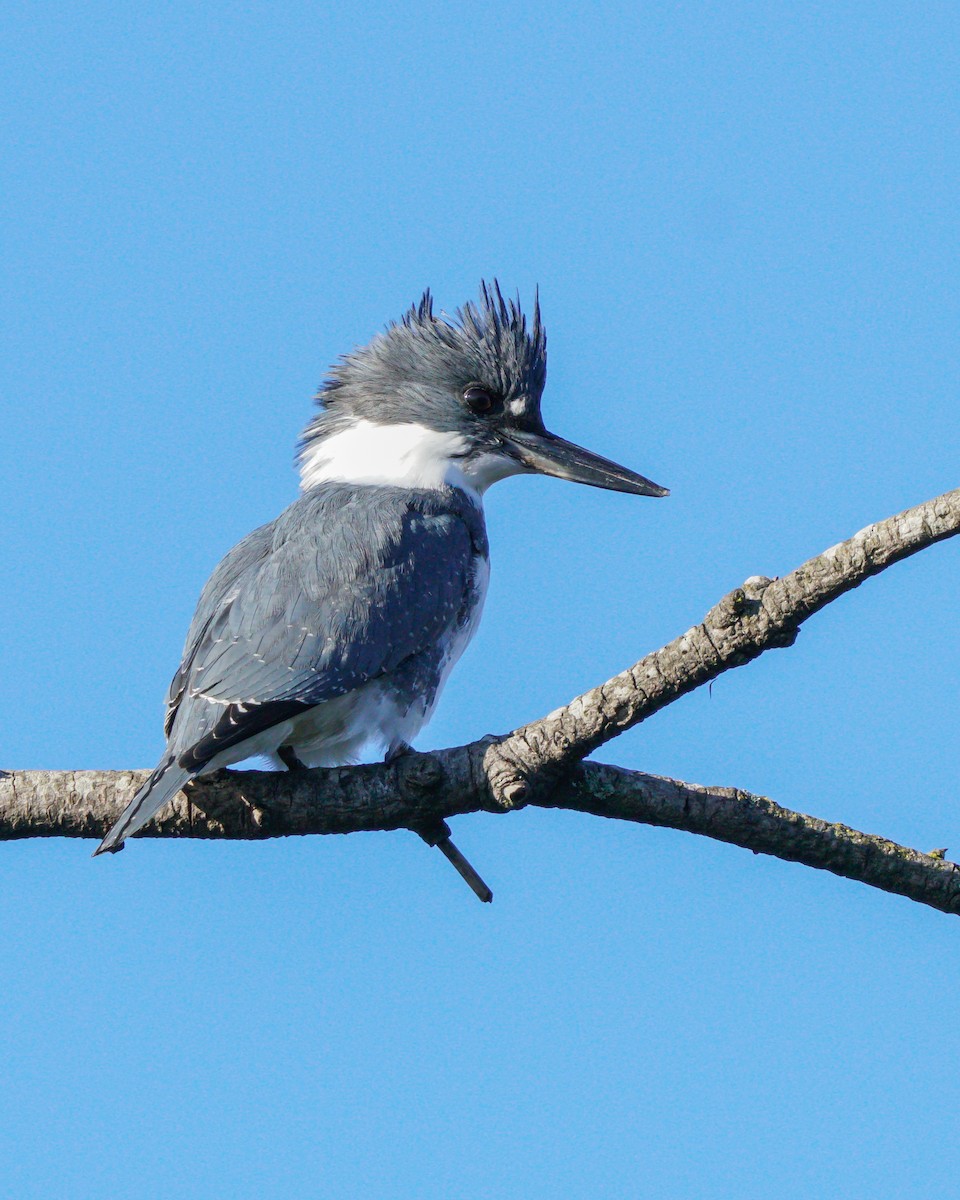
(542, 763)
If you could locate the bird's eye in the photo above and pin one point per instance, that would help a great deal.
(481, 400)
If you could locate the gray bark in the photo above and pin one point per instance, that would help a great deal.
(541, 763)
(250, 805)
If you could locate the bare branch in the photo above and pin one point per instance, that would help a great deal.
(761, 615)
(539, 763)
(758, 824)
(251, 805)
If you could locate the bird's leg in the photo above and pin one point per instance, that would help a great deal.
(436, 832)
(398, 749)
(288, 756)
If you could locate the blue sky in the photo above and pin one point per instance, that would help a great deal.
(743, 221)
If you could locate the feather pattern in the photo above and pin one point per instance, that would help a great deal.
(349, 587)
(338, 623)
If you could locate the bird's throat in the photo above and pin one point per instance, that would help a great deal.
(403, 455)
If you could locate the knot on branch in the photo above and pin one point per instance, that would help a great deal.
(514, 791)
(419, 775)
(743, 603)
(507, 779)
(744, 624)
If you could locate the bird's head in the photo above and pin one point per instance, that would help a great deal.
(433, 401)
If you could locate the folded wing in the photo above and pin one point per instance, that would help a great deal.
(339, 591)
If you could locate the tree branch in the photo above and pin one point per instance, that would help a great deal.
(762, 614)
(540, 763)
(252, 805)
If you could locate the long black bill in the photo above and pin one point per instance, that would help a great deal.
(551, 455)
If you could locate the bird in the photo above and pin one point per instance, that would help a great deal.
(335, 626)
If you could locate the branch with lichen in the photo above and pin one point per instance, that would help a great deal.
(541, 763)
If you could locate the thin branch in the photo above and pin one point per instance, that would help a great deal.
(252, 805)
(761, 615)
(758, 824)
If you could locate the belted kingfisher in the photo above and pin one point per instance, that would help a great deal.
(337, 624)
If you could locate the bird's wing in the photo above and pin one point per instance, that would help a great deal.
(245, 557)
(345, 592)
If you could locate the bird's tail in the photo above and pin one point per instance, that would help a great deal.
(162, 785)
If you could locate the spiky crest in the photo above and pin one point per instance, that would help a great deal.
(491, 337)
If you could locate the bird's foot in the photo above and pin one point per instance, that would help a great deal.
(437, 833)
(288, 756)
(398, 750)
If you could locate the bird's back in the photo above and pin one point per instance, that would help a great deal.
(334, 625)
(349, 585)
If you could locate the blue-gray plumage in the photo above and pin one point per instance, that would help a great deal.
(371, 585)
(336, 625)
